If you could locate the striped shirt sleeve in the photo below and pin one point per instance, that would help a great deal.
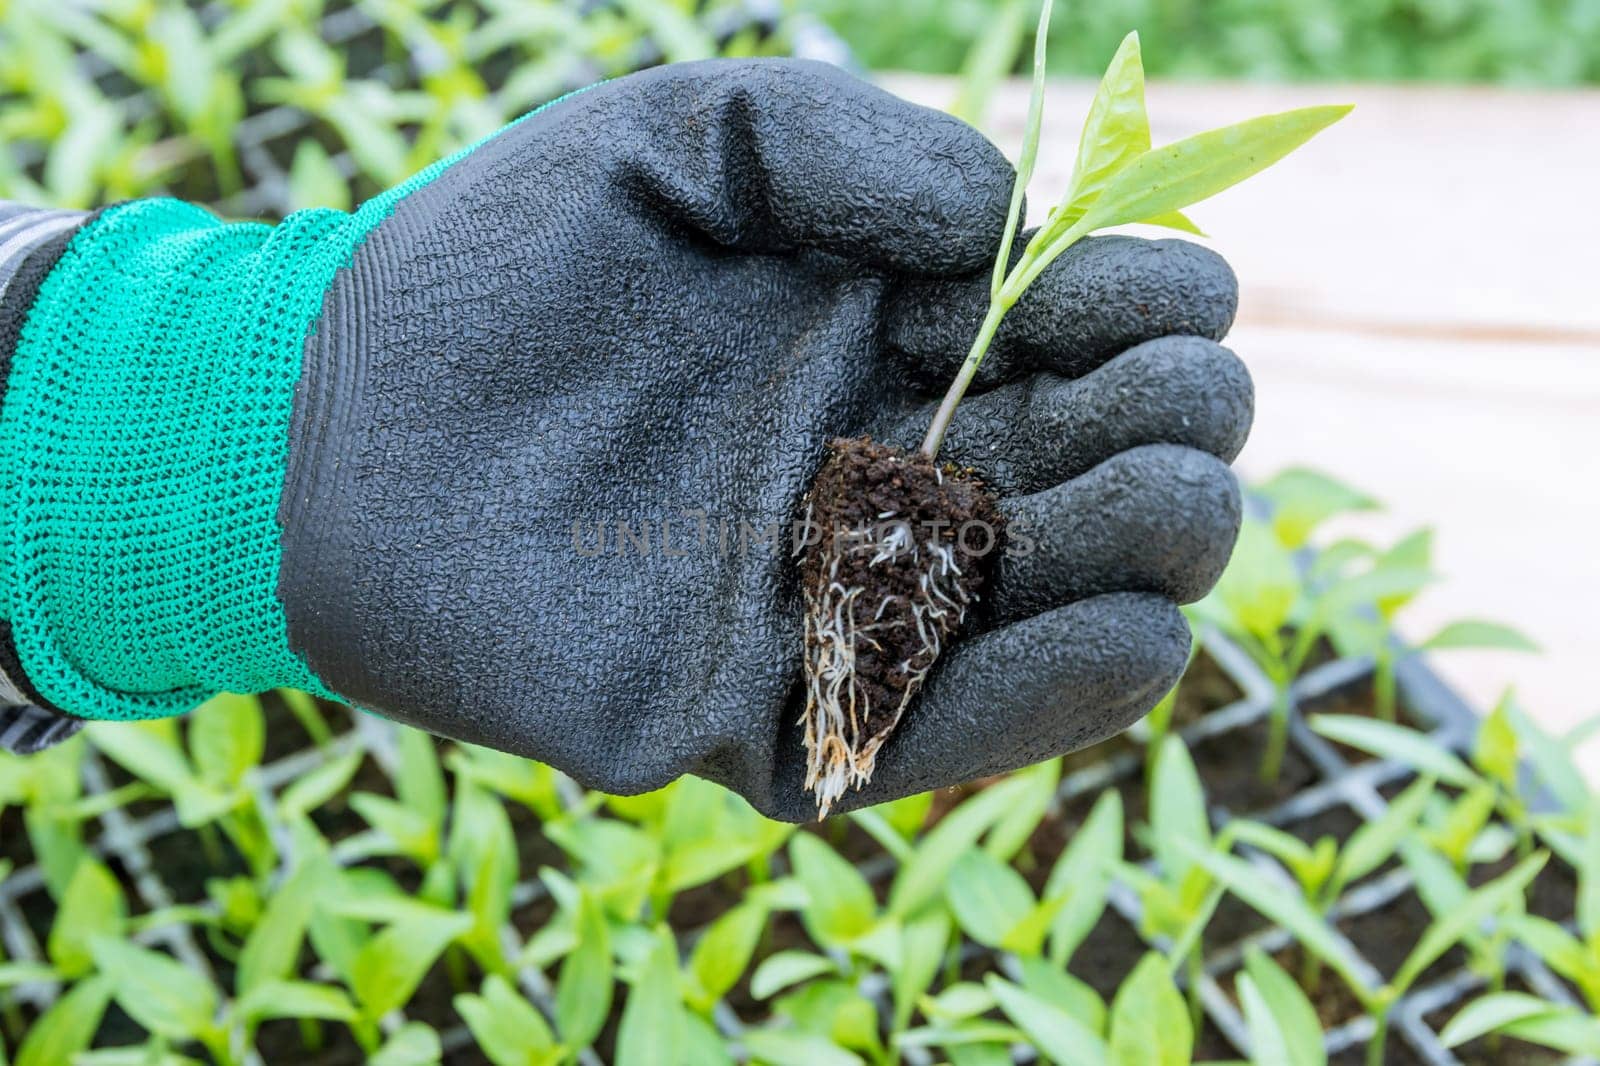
(31, 240)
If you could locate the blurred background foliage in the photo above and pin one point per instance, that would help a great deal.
(259, 107)
(1535, 42)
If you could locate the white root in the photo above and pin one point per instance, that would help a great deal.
(840, 753)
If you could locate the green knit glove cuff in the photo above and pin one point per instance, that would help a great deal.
(143, 447)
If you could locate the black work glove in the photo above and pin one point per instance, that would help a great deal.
(653, 302)
(658, 300)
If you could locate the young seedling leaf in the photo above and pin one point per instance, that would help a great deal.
(1484, 903)
(584, 986)
(1284, 1027)
(1289, 911)
(1196, 168)
(1371, 845)
(1116, 131)
(1149, 1020)
(1390, 741)
(1178, 818)
(68, 1026)
(305, 794)
(295, 999)
(161, 994)
(227, 736)
(388, 968)
(1302, 499)
(1493, 1013)
(1055, 985)
(1476, 633)
(720, 956)
(922, 947)
(93, 906)
(841, 906)
(1030, 150)
(506, 1026)
(1057, 1034)
(1014, 828)
(787, 1047)
(413, 1044)
(922, 878)
(987, 897)
(1083, 876)
(786, 968)
(651, 1030)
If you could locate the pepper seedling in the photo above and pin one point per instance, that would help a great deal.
(881, 600)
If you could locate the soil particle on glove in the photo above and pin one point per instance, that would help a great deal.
(901, 548)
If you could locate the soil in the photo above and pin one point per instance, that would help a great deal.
(1357, 699)
(1229, 764)
(1506, 1052)
(1206, 687)
(1385, 936)
(864, 497)
(1108, 954)
(1332, 999)
(1396, 1052)
(1553, 894)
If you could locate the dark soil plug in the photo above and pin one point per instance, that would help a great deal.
(902, 545)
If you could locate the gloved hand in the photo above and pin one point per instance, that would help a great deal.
(652, 302)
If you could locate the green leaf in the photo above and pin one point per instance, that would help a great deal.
(1526, 1017)
(1257, 591)
(1055, 985)
(295, 999)
(1057, 1034)
(841, 906)
(1288, 910)
(1177, 810)
(1283, 1024)
(408, 832)
(1371, 845)
(226, 736)
(787, 968)
(1390, 741)
(721, 955)
(1588, 902)
(68, 1026)
(923, 877)
(419, 782)
(505, 1025)
(584, 987)
(1083, 876)
(92, 906)
(314, 180)
(305, 794)
(1149, 1019)
(1030, 150)
(483, 849)
(413, 1044)
(1483, 903)
(786, 1047)
(161, 994)
(273, 946)
(1016, 827)
(987, 897)
(1185, 172)
(1551, 759)
(1302, 499)
(1115, 132)
(922, 947)
(387, 969)
(651, 1030)
(1473, 633)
